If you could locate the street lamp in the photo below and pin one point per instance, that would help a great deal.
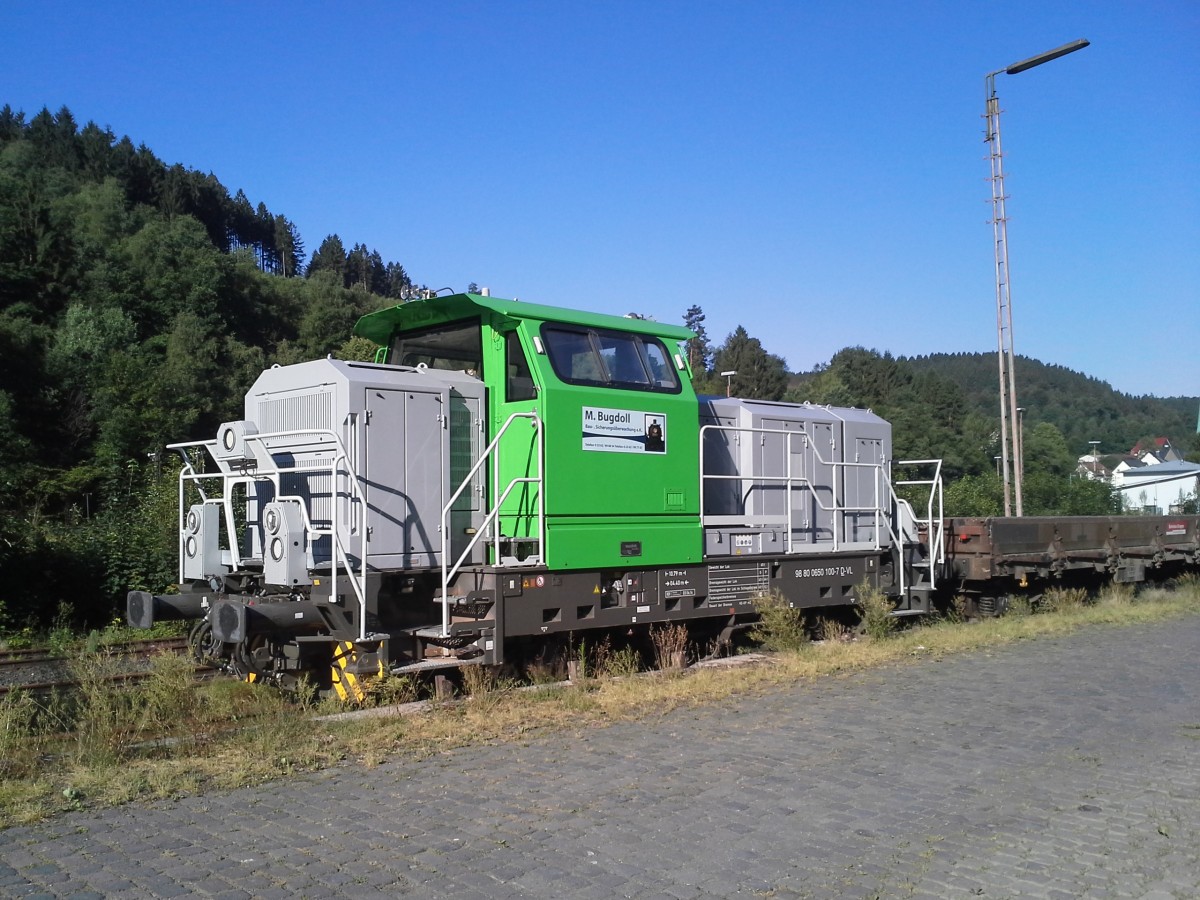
(728, 376)
(1004, 336)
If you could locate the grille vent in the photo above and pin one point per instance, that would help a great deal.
(464, 451)
(295, 413)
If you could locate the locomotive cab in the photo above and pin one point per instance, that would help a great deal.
(601, 471)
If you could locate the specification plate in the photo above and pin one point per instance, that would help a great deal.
(676, 583)
(731, 582)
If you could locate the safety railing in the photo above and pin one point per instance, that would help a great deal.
(263, 468)
(491, 519)
(935, 541)
(791, 481)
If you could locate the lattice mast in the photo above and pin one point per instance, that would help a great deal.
(1009, 432)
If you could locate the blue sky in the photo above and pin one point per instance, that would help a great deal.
(814, 171)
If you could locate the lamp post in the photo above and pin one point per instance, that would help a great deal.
(1004, 336)
(1095, 445)
(728, 376)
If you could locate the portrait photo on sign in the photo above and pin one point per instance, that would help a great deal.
(656, 433)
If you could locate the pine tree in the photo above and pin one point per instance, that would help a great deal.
(760, 375)
(397, 282)
(330, 257)
(288, 246)
(698, 349)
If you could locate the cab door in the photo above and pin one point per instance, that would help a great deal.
(517, 391)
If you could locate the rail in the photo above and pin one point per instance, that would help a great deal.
(492, 518)
(339, 464)
(791, 481)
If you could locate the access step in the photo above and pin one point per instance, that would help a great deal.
(433, 665)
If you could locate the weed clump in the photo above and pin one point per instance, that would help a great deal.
(622, 663)
(834, 631)
(391, 690)
(486, 686)
(1187, 583)
(1116, 595)
(587, 663)
(1063, 600)
(780, 627)
(875, 606)
(103, 716)
(670, 646)
(1018, 606)
(18, 751)
(956, 610)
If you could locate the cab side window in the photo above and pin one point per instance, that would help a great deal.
(518, 382)
(573, 356)
(599, 357)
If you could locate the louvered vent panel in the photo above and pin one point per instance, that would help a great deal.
(464, 451)
(314, 488)
(317, 494)
(304, 412)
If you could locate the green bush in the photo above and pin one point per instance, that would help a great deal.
(780, 627)
(875, 607)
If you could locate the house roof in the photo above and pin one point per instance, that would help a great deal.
(1176, 468)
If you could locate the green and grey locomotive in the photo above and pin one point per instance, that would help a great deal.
(506, 472)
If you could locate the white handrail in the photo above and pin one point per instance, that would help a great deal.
(792, 481)
(936, 541)
(492, 517)
(340, 461)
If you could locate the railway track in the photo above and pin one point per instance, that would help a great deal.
(42, 671)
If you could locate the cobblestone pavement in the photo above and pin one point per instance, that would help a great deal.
(1055, 768)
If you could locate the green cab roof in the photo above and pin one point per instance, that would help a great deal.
(416, 314)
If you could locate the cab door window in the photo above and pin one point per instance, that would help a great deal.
(518, 382)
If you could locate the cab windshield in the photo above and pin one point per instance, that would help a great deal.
(456, 346)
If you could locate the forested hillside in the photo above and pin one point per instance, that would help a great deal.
(1084, 409)
(138, 301)
(945, 407)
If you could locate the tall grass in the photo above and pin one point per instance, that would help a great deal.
(1063, 600)
(167, 735)
(18, 749)
(1116, 595)
(103, 717)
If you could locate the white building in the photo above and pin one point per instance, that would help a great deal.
(1156, 489)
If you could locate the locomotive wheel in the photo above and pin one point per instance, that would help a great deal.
(253, 657)
(202, 644)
